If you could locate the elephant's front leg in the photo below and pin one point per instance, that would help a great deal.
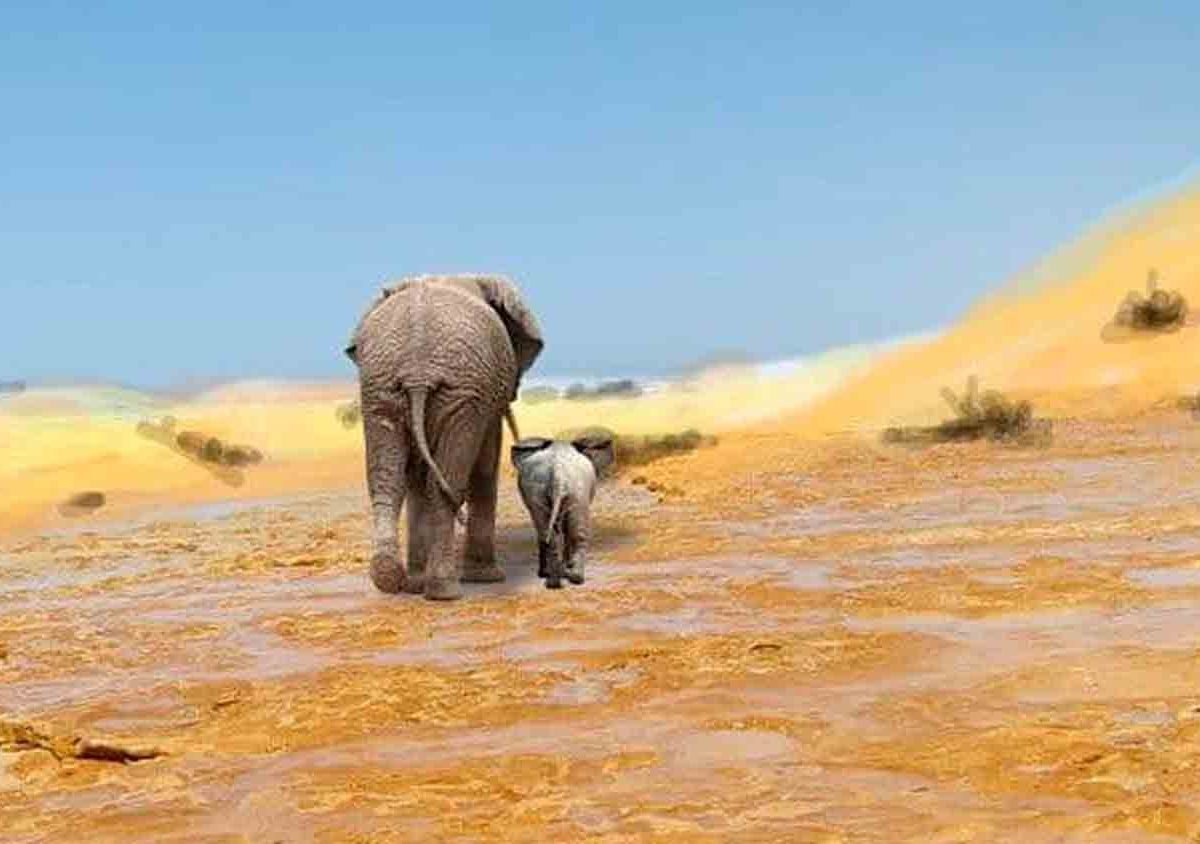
(386, 456)
(479, 559)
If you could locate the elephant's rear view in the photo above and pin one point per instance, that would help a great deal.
(439, 359)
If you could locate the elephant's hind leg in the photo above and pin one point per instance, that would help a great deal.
(386, 452)
(578, 532)
(479, 559)
(553, 558)
(418, 530)
(461, 428)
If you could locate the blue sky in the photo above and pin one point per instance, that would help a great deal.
(217, 189)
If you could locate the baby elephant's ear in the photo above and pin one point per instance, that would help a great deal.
(530, 445)
(598, 449)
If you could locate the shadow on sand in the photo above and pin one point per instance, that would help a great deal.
(516, 550)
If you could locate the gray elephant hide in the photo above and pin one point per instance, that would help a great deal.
(557, 481)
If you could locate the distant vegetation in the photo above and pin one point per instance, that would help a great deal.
(199, 446)
(991, 416)
(539, 395)
(12, 387)
(349, 414)
(624, 388)
(631, 450)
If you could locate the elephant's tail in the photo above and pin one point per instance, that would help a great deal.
(417, 397)
(556, 510)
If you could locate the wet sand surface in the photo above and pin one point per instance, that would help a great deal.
(786, 640)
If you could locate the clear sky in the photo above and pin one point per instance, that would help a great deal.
(216, 189)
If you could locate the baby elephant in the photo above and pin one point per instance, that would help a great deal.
(557, 482)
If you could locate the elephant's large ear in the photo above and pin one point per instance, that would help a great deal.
(598, 449)
(523, 328)
(530, 445)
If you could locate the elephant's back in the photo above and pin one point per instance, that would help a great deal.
(573, 470)
(439, 333)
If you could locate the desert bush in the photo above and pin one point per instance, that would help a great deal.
(83, 502)
(192, 442)
(1155, 310)
(539, 395)
(349, 414)
(633, 450)
(240, 455)
(198, 445)
(991, 416)
(624, 388)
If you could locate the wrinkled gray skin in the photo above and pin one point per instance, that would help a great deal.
(439, 360)
(557, 481)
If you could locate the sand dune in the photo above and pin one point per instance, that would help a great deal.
(1041, 338)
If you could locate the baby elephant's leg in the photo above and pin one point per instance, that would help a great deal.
(578, 538)
(554, 559)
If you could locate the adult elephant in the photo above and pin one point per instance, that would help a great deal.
(439, 360)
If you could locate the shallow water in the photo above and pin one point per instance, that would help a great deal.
(925, 663)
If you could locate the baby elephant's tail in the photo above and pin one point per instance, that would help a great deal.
(556, 512)
(552, 549)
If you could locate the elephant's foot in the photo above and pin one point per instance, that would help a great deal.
(573, 569)
(482, 573)
(553, 582)
(388, 574)
(442, 589)
(415, 584)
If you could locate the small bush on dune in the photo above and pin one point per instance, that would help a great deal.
(991, 416)
(1189, 403)
(349, 414)
(83, 502)
(240, 455)
(1155, 310)
(198, 445)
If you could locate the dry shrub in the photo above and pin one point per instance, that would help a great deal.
(991, 416)
(83, 502)
(349, 414)
(1155, 310)
(631, 450)
(199, 446)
